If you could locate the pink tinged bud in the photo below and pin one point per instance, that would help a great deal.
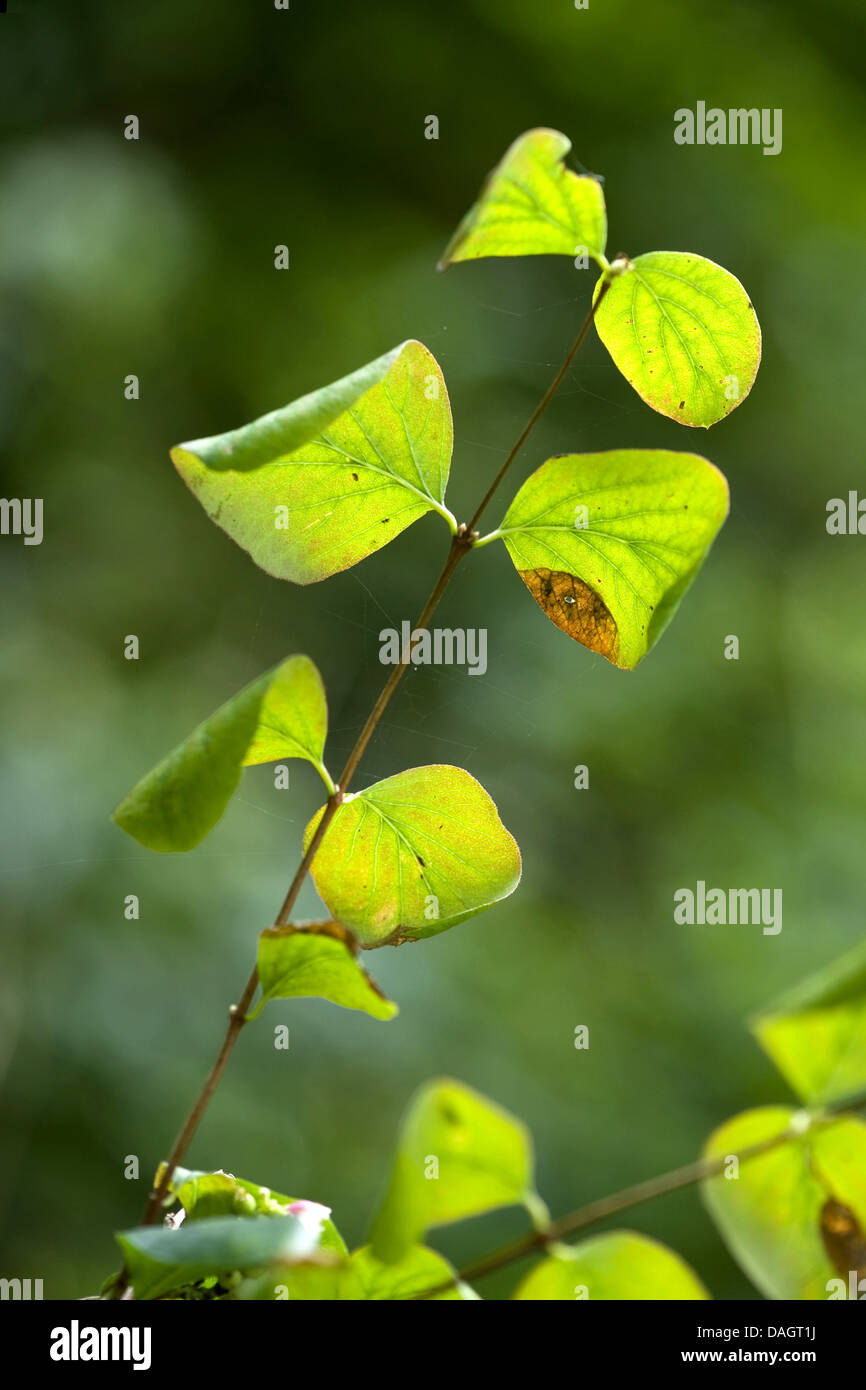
(312, 1215)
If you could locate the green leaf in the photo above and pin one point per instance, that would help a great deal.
(531, 205)
(607, 544)
(621, 1265)
(325, 482)
(361, 1278)
(458, 1155)
(794, 1218)
(159, 1258)
(683, 333)
(418, 1270)
(283, 714)
(206, 1194)
(414, 855)
(314, 962)
(816, 1033)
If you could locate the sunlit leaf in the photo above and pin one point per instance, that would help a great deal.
(283, 714)
(531, 204)
(621, 1265)
(607, 544)
(458, 1155)
(780, 1217)
(413, 855)
(160, 1258)
(325, 482)
(683, 333)
(816, 1033)
(314, 962)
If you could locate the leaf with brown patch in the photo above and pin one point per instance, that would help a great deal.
(607, 544)
(575, 608)
(843, 1239)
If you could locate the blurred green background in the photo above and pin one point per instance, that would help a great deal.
(306, 127)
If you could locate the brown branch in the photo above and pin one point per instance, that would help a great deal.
(633, 1196)
(542, 404)
(461, 544)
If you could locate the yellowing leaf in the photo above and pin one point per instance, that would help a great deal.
(607, 544)
(621, 1265)
(683, 332)
(414, 855)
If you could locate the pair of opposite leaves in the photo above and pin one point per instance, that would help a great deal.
(404, 859)
(606, 543)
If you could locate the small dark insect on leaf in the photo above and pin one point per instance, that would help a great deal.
(843, 1239)
(355, 476)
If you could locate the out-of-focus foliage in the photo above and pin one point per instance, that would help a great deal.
(156, 258)
(779, 1211)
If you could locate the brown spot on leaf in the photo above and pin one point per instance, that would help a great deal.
(843, 1239)
(576, 608)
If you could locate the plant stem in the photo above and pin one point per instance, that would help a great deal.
(542, 404)
(461, 543)
(630, 1197)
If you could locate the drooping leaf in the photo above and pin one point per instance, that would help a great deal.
(816, 1033)
(283, 714)
(683, 332)
(414, 855)
(325, 482)
(779, 1216)
(607, 544)
(458, 1155)
(160, 1258)
(531, 205)
(621, 1265)
(314, 962)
